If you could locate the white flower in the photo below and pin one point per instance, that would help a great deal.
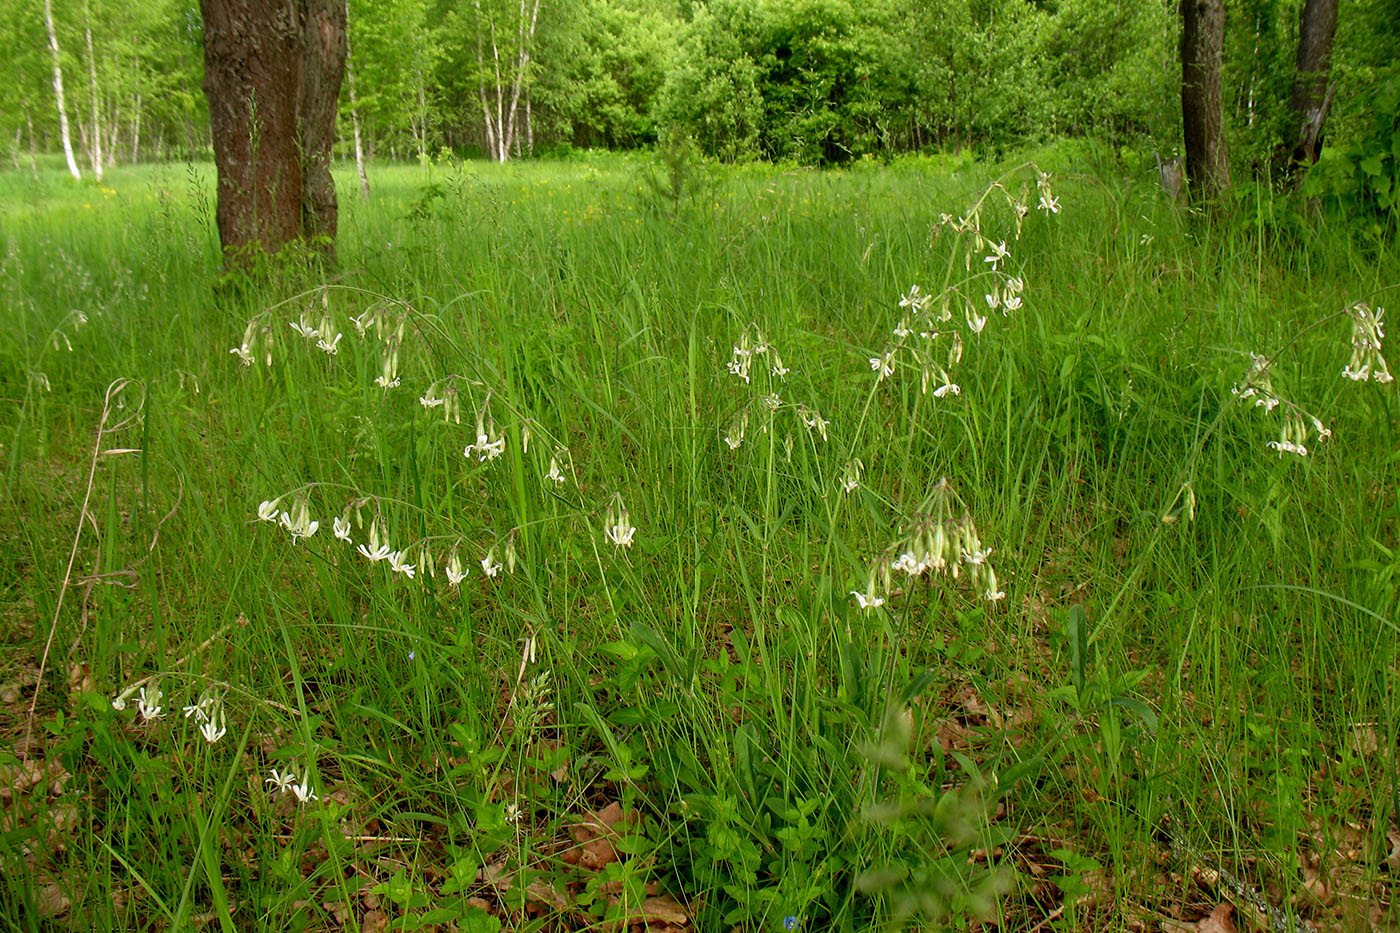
(1011, 303)
(947, 389)
(997, 252)
(884, 365)
(286, 782)
(267, 510)
(363, 322)
(148, 703)
(398, 562)
(993, 300)
(489, 565)
(331, 348)
(554, 475)
(1014, 285)
(975, 323)
(1048, 203)
(617, 526)
(733, 441)
(910, 564)
(303, 328)
(341, 528)
(384, 382)
(620, 534)
(915, 301)
(430, 400)
(244, 354)
(282, 781)
(867, 601)
(213, 730)
(299, 525)
(455, 572)
(774, 401)
(1288, 446)
(780, 370)
(378, 554)
(486, 447)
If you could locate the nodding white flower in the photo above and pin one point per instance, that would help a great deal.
(774, 401)
(913, 299)
(868, 601)
(209, 713)
(267, 510)
(779, 369)
(993, 300)
(331, 348)
(363, 321)
(1014, 285)
(299, 525)
(1048, 203)
(303, 328)
(733, 441)
(286, 783)
(850, 476)
(213, 730)
(996, 253)
(901, 330)
(812, 419)
(913, 566)
(389, 372)
(617, 526)
(948, 388)
(148, 703)
(378, 554)
(513, 813)
(244, 354)
(489, 565)
(454, 570)
(976, 556)
(486, 448)
(554, 475)
(341, 528)
(1011, 303)
(884, 365)
(398, 562)
(429, 399)
(975, 322)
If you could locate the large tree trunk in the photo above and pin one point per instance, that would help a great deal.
(58, 92)
(1312, 96)
(1202, 102)
(272, 76)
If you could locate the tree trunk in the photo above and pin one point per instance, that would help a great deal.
(136, 132)
(1202, 102)
(58, 93)
(1312, 96)
(355, 123)
(95, 150)
(272, 77)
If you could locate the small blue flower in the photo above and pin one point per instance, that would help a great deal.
(791, 923)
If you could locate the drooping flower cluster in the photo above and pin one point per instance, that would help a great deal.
(764, 400)
(1298, 425)
(208, 713)
(942, 539)
(617, 525)
(1367, 332)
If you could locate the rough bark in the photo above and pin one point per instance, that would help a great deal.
(58, 93)
(272, 77)
(1311, 97)
(1202, 101)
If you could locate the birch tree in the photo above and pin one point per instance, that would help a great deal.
(505, 36)
(58, 92)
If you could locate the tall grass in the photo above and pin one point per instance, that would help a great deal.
(1193, 666)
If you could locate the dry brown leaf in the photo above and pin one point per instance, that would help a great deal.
(1219, 920)
(375, 921)
(661, 909)
(52, 901)
(594, 836)
(543, 894)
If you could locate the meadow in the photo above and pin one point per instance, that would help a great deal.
(934, 545)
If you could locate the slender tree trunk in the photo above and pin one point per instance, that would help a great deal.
(33, 147)
(1202, 102)
(95, 148)
(272, 76)
(58, 93)
(136, 132)
(355, 120)
(1311, 98)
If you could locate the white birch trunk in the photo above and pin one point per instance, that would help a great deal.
(58, 93)
(95, 150)
(355, 122)
(136, 132)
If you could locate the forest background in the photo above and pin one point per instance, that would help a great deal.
(811, 82)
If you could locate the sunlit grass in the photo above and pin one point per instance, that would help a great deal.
(1196, 644)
